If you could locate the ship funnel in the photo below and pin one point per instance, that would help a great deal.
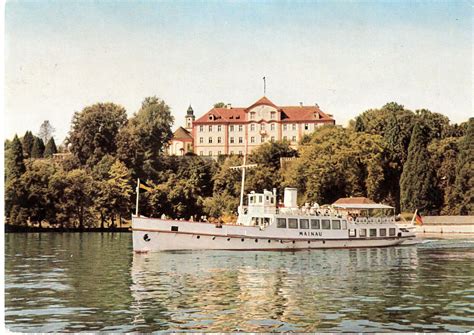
(290, 197)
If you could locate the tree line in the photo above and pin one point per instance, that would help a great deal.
(410, 160)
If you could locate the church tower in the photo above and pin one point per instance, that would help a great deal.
(189, 119)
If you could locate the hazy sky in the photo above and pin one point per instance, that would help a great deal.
(346, 56)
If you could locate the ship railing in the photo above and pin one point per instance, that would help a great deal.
(374, 220)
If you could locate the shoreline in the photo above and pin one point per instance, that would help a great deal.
(27, 229)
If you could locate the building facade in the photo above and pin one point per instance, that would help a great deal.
(225, 131)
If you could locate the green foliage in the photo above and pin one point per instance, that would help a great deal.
(94, 132)
(417, 182)
(219, 104)
(38, 148)
(336, 163)
(50, 148)
(142, 141)
(463, 199)
(28, 141)
(220, 205)
(14, 164)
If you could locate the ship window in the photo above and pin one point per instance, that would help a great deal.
(344, 224)
(315, 224)
(336, 224)
(382, 232)
(326, 224)
(362, 232)
(251, 199)
(391, 231)
(304, 224)
(174, 228)
(352, 233)
(260, 199)
(373, 232)
(281, 223)
(272, 200)
(293, 223)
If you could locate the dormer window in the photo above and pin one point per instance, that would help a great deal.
(211, 117)
(317, 116)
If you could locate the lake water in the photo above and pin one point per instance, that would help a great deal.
(93, 282)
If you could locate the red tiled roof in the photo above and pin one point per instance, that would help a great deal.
(288, 113)
(353, 201)
(262, 101)
(302, 113)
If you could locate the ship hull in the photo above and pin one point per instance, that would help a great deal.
(160, 235)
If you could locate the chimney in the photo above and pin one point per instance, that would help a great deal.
(229, 106)
(316, 105)
(301, 103)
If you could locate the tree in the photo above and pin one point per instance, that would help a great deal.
(463, 199)
(336, 163)
(219, 104)
(50, 149)
(38, 148)
(119, 190)
(444, 153)
(141, 143)
(15, 165)
(46, 131)
(417, 182)
(94, 132)
(27, 143)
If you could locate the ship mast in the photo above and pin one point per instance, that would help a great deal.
(243, 167)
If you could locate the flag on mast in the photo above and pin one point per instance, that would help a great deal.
(418, 219)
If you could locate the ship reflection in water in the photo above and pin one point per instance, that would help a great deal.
(358, 290)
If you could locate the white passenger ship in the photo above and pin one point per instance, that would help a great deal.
(262, 225)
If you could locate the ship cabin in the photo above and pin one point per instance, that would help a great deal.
(260, 211)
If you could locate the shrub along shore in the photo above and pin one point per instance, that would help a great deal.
(408, 159)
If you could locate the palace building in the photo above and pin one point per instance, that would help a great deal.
(225, 131)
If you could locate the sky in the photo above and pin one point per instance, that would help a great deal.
(61, 56)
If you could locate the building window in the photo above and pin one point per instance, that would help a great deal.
(306, 126)
(231, 128)
(315, 224)
(240, 153)
(241, 140)
(201, 128)
(262, 126)
(293, 126)
(240, 127)
(219, 139)
(293, 139)
(304, 224)
(219, 153)
(272, 126)
(252, 127)
(210, 128)
(201, 139)
(210, 139)
(293, 223)
(231, 140)
(272, 139)
(285, 138)
(262, 139)
(231, 152)
(252, 139)
(336, 224)
(252, 115)
(201, 153)
(281, 223)
(273, 115)
(210, 153)
(284, 126)
(326, 224)
(219, 128)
